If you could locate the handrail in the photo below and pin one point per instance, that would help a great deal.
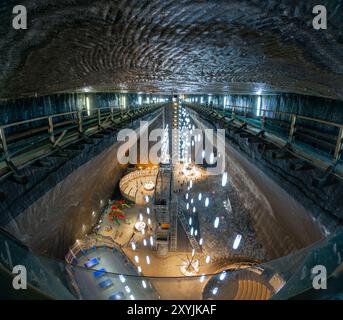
(58, 133)
(289, 268)
(38, 119)
(293, 125)
(112, 109)
(233, 107)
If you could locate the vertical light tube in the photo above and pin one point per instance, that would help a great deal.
(258, 110)
(88, 106)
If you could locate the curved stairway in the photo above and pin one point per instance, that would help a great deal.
(241, 285)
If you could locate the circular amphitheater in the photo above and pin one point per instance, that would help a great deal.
(137, 184)
(244, 284)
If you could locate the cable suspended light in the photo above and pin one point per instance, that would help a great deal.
(127, 289)
(215, 290)
(237, 242)
(224, 179)
(216, 222)
(207, 201)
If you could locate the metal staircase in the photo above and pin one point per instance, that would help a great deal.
(161, 208)
(173, 232)
(194, 243)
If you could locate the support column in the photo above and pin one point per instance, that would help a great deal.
(292, 128)
(4, 143)
(338, 145)
(51, 130)
(80, 121)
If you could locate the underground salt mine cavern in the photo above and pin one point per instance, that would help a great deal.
(171, 150)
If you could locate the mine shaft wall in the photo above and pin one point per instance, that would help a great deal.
(323, 202)
(60, 208)
(282, 223)
(13, 110)
(64, 213)
(315, 107)
(326, 202)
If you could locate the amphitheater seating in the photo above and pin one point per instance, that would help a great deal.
(250, 287)
(242, 285)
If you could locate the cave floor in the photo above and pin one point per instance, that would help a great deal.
(167, 272)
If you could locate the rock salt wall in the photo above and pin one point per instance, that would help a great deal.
(49, 214)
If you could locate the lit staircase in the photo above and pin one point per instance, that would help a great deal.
(194, 243)
(173, 233)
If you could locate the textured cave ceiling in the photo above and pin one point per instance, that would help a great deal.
(171, 46)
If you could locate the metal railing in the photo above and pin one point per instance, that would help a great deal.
(52, 276)
(310, 135)
(295, 127)
(30, 139)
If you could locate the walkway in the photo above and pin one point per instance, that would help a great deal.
(316, 141)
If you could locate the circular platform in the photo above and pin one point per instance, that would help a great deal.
(138, 184)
